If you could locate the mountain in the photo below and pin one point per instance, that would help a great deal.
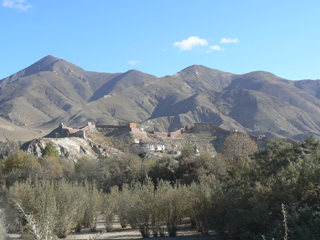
(121, 82)
(50, 87)
(53, 90)
(148, 100)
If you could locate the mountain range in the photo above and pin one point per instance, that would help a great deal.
(53, 90)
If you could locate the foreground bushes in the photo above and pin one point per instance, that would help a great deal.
(244, 205)
(238, 200)
(59, 206)
(284, 173)
(153, 210)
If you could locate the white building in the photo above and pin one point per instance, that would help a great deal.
(152, 145)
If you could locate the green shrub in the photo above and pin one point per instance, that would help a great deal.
(187, 151)
(165, 169)
(50, 150)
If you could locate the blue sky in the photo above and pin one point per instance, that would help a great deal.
(165, 36)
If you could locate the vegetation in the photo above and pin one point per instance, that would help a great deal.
(3, 228)
(50, 150)
(245, 198)
(237, 147)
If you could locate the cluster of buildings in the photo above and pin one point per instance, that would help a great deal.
(152, 145)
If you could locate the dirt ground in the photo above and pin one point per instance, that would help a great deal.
(184, 232)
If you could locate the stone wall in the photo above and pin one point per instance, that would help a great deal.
(178, 132)
(70, 132)
(219, 129)
(111, 126)
(169, 134)
(161, 134)
(79, 134)
(203, 128)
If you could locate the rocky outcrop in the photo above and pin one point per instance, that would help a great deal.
(69, 148)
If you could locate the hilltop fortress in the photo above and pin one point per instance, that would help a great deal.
(198, 129)
(110, 139)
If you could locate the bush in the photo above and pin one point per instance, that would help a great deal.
(50, 150)
(62, 201)
(200, 203)
(172, 205)
(110, 206)
(109, 171)
(238, 146)
(141, 213)
(187, 151)
(125, 208)
(20, 166)
(3, 227)
(92, 207)
(150, 209)
(56, 168)
(165, 169)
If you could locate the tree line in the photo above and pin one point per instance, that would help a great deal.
(241, 193)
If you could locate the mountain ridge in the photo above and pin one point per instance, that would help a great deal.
(53, 90)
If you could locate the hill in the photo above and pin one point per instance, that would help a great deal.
(9, 131)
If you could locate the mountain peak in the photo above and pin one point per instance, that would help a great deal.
(192, 67)
(200, 70)
(132, 71)
(261, 75)
(42, 65)
(47, 60)
(51, 58)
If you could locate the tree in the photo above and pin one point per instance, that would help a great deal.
(50, 150)
(187, 151)
(238, 146)
(20, 166)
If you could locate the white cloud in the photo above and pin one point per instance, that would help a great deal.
(229, 40)
(134, 62)
(17, 4)
(190, 43)
(216, 48)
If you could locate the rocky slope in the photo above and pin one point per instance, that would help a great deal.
(69, 148)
